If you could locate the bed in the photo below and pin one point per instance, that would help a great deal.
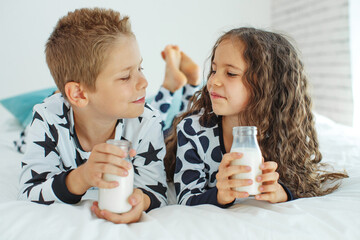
(335, 216)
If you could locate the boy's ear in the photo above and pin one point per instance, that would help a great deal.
(76, 94)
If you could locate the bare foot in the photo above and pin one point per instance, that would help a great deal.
(174, 78)
(190, 69)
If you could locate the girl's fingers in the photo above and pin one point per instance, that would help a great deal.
(268, 188)
(232, 183)
(266, 197)
(236, 194)
(227, 158)
(231, 170)
(268, 177)
(269, 166)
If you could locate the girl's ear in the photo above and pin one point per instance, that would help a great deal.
(76, 94)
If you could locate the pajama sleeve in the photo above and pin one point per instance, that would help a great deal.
(190, 176)
(148, 164)
(42, 178)
(187, 92)
(162, 102)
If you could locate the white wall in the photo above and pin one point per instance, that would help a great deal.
(193, 25)
(321, 31)
(354, 10)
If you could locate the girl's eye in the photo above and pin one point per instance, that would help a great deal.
(141, 69)
(212, 72)
(231, 74)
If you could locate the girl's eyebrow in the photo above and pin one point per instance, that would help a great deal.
(228, 65)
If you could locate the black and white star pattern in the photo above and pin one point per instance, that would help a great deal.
(52, 154)
(150, 155)
(35, 180)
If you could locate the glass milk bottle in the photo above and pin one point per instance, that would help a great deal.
(116, 199)
(245, 142)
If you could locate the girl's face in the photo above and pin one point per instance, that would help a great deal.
(120, 86)
(227, 93)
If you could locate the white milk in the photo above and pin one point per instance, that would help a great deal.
(116, 199)
(252, 157)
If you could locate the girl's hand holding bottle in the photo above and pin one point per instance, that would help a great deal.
(270, 189)
(225, 185)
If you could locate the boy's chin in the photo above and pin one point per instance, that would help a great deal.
(136, 113)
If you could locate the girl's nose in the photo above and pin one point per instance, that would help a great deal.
(214, 80)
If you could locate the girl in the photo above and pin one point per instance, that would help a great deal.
(256, 79)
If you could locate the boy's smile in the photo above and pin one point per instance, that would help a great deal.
(121, 86)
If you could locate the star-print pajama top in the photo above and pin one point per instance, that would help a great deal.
(199, 152)
(53, 150)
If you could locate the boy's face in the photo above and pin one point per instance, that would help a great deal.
(120, 86)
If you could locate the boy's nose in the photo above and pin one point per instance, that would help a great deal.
(142, 83)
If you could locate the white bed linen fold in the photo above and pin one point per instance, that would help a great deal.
(335, 216)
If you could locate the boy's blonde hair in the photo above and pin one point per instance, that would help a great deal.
(77, 48)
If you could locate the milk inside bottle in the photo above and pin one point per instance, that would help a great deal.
(116, 199)
(244, 141)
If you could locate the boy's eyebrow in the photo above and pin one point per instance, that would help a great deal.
(127, 68)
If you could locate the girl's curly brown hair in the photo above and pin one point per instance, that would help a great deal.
(279, 106)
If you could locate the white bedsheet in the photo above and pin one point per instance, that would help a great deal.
(335, 216)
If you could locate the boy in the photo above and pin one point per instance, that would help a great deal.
(95, 61)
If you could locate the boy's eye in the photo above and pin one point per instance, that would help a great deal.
(212, 72)
(141, 69)
(125, 78)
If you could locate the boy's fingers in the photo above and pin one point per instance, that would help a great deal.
(110, 149)
(133, 215)
(105, 184)
(95, 209)
(109, 159)
(111, 169)
(132, 153)
(136, 197)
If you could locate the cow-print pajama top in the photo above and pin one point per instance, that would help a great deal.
(199, 152)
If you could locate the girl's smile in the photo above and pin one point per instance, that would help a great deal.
(215, 96)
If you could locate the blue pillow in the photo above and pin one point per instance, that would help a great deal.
(21, 106)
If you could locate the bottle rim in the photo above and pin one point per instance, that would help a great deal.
(245, 130)
(119, 143)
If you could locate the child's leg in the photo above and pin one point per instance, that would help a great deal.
(190, 69)
(174, 78)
